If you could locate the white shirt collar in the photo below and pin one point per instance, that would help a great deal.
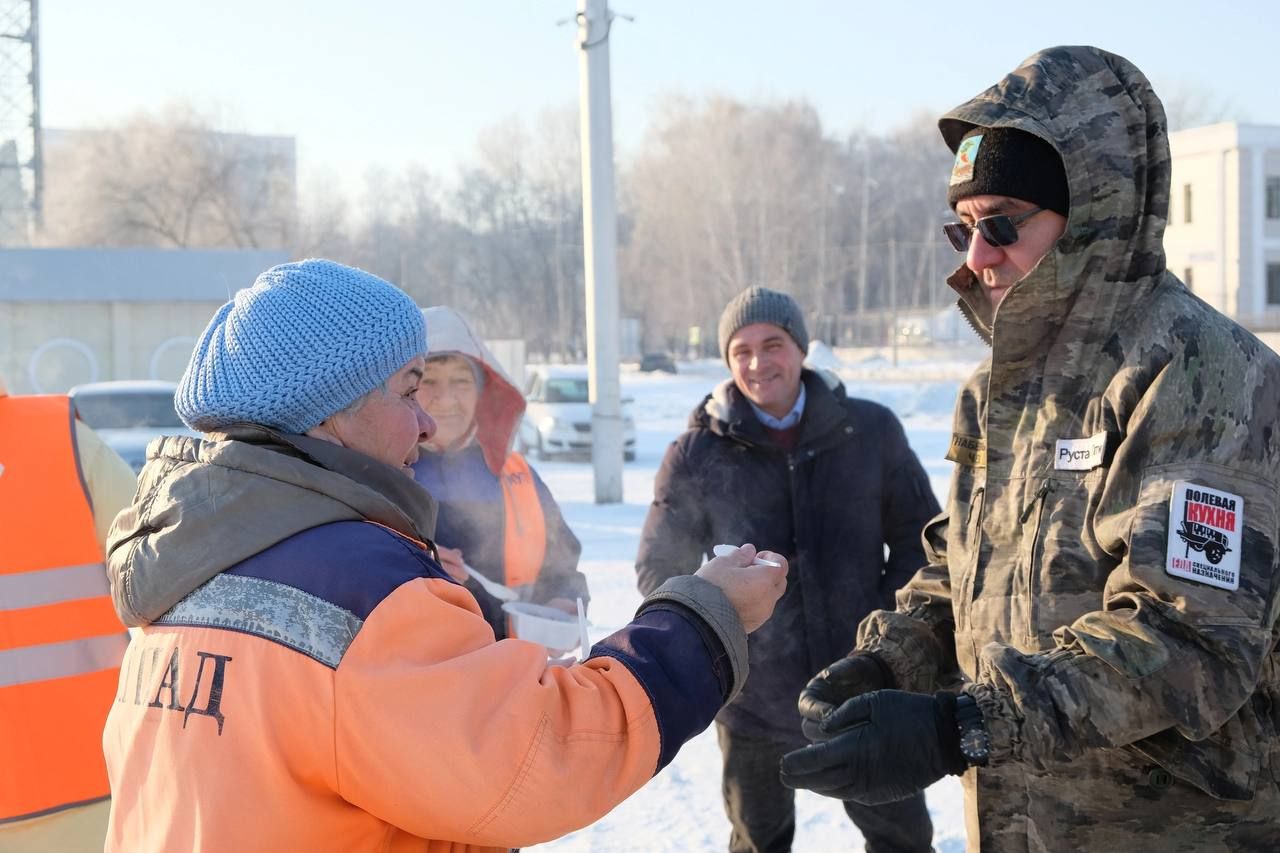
(788, 420)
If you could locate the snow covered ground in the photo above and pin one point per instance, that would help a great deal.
(680, 809)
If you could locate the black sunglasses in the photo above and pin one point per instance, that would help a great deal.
(998, 230)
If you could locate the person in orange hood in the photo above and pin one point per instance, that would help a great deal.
(307, 676)
(496, 515)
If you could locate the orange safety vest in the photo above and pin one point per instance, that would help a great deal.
(524, 541)
(60, 641)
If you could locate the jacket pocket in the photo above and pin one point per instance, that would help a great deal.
(963, 562)
(1228, 764)
(1062, 570)
(1030, 552)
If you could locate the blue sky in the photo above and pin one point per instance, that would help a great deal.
(390, 82)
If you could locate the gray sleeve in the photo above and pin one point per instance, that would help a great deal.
(712, 606)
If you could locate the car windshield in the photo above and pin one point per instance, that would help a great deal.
(128, 410)
(566, 390)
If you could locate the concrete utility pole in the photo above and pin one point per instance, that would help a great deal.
(600, 248)
(864, 224)
(893, 298)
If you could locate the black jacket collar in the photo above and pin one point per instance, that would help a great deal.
(727, 412)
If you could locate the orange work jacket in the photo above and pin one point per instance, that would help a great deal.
(60, 641)
(524, 541)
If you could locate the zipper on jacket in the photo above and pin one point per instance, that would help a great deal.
(1045, 488)
(974, 499)
(1033, 559)
(973, 535)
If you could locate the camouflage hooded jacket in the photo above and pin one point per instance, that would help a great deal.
(1047, 588)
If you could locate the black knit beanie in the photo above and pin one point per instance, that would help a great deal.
(1005, 161)
(762, 305)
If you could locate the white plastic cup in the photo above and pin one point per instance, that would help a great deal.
(553, 628)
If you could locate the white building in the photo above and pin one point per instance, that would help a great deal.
(1223, 237)
(69, 316)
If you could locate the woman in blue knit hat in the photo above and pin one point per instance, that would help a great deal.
(496, 515)
(306, 675)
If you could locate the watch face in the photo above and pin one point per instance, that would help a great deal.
(975, 745)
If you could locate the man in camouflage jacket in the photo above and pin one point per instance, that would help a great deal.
(1102, 586)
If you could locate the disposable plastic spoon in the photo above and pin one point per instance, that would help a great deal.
(497, 590)
(726, 550)
(582, 631)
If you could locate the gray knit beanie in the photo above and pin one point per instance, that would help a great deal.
(762, 305)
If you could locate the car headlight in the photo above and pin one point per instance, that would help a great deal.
(550, 423)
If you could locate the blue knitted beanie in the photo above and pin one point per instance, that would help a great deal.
(307, 340)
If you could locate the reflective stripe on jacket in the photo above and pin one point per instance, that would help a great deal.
(342, 679)
(60, 640)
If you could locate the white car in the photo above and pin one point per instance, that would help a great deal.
(127, 415)
(557, 420)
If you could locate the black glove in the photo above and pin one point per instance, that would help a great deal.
(884, 746)
(860, 672)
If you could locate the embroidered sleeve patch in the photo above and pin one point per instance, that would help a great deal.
(1206, 527)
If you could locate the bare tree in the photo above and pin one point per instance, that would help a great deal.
(721, 194)
(910, 201)
(324, 218)
(169, 180)
(724, 195)
(519, 201)
(1190, 105)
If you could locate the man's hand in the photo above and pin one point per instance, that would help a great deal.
(860, 672)
(451, 562)
(753, 590)
(884, 746)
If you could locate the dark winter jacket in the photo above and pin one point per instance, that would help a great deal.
(1103, 652)
(472, 519)
(850, 487)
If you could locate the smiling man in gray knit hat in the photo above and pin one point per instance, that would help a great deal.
(779, 456)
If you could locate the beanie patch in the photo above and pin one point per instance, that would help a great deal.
(966, 156)
(1009, 162)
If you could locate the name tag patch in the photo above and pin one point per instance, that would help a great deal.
(1206, 527)
(968, 450)
(1081, 454)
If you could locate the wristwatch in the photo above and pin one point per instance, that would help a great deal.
(975, 743)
